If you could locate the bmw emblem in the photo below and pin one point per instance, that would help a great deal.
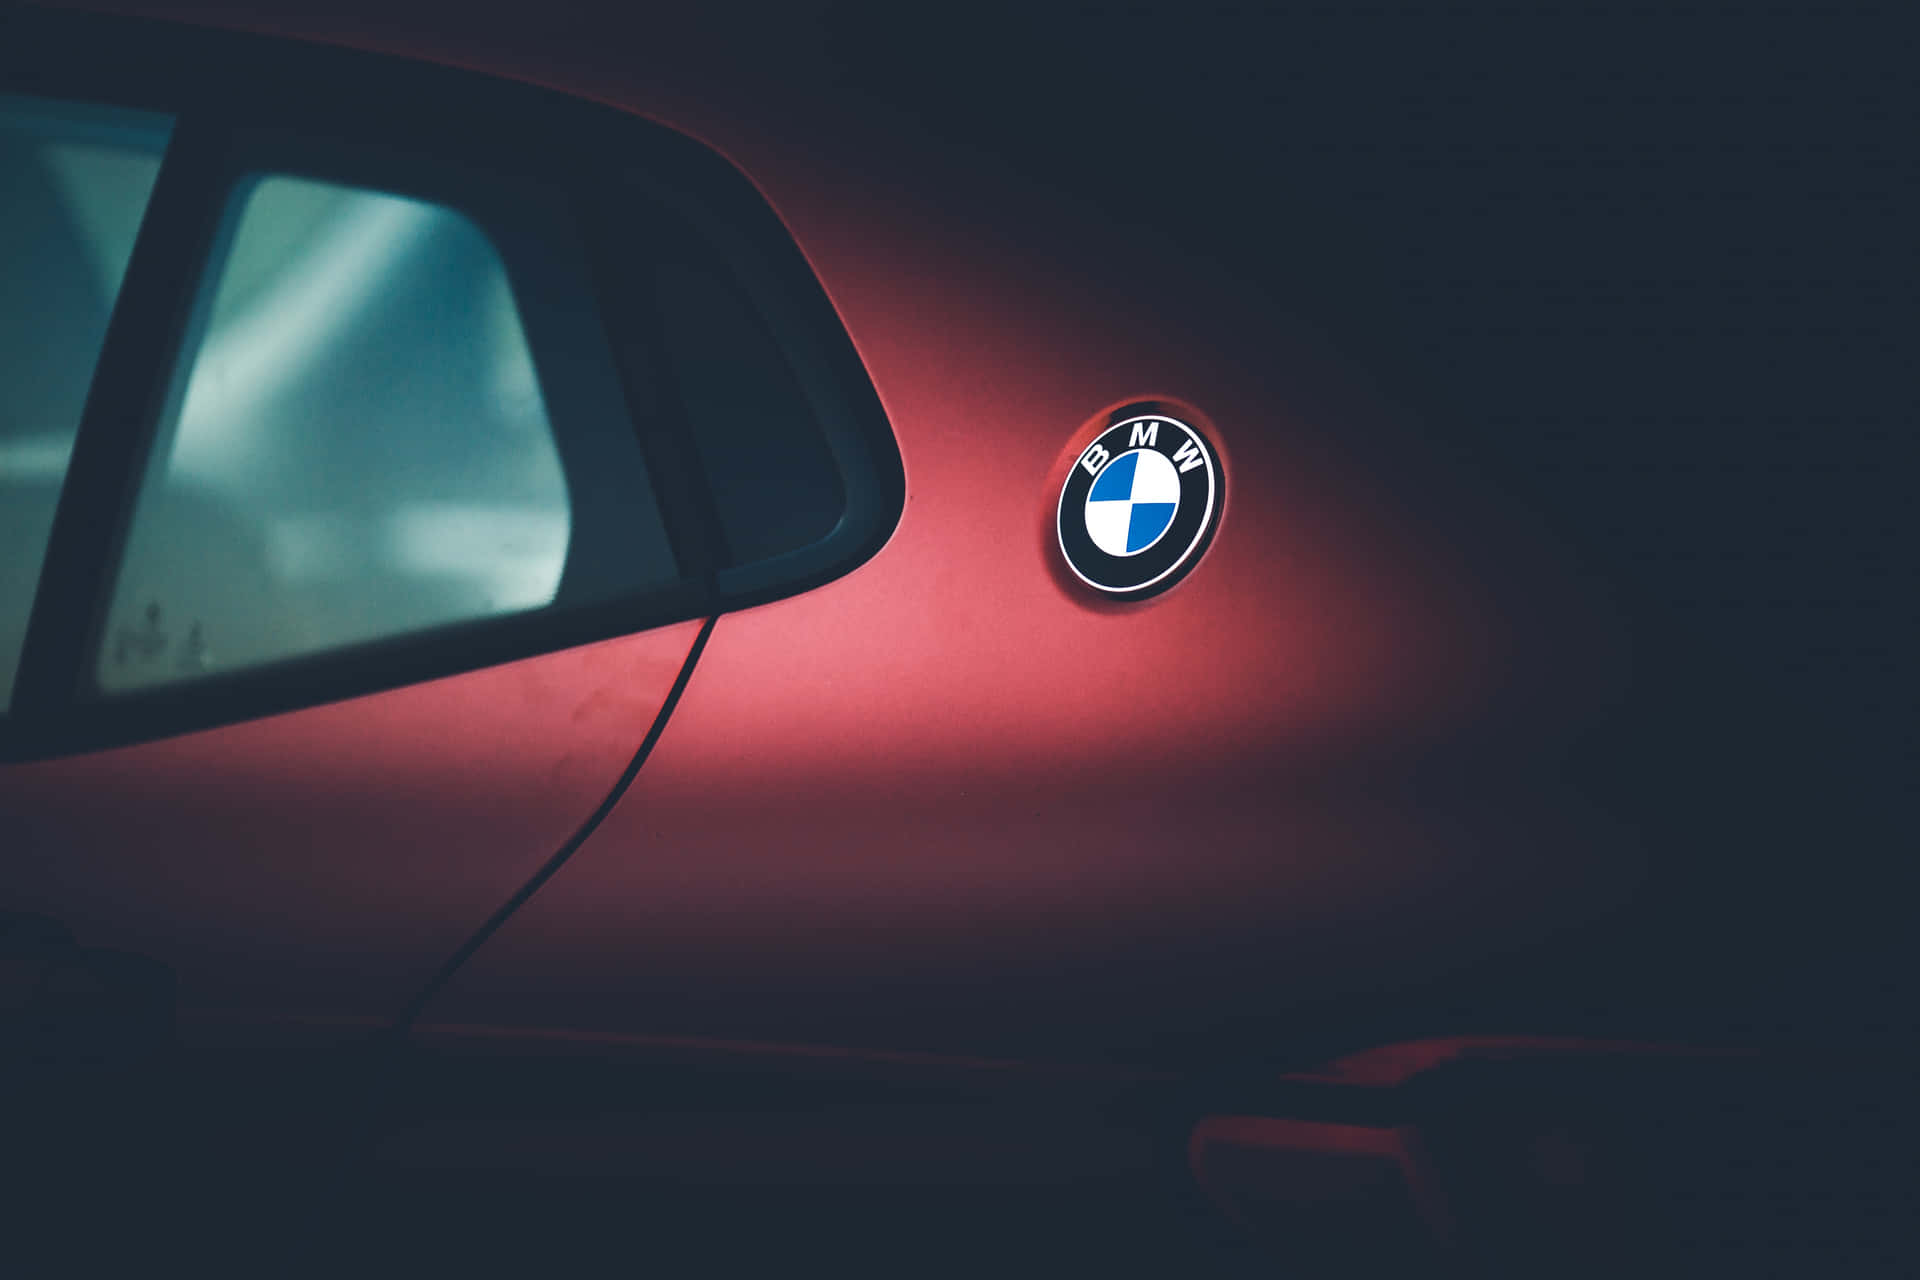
(1139, 506)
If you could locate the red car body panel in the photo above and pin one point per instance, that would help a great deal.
(316, 868)
(951, 802)
(1089, 825)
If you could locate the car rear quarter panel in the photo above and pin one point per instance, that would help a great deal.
(950, 803)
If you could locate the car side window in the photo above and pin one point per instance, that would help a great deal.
(362, 441)
(307, 394)
(75, 180)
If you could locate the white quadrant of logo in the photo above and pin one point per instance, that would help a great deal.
(1132, 503)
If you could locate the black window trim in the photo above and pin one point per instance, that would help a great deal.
(201, 77)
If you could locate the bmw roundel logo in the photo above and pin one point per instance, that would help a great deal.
(1139, 506)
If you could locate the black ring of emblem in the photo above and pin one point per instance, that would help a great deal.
(1174, 554)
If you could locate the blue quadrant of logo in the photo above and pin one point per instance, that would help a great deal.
(1148, 521)
(1115, 484)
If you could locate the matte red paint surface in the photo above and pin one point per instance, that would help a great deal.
(951, 803)
(948, 803)
(328, 861)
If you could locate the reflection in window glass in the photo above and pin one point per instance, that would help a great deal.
(773, 479)
(74, 184)
(358, 448)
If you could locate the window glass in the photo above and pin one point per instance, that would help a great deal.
(773, 478)
(74, 184)
(360, 445)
